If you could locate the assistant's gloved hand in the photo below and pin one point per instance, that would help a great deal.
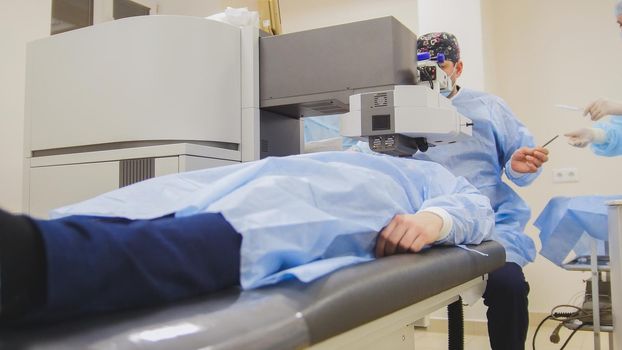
(601, 107)
(409, 233)
(585, 136)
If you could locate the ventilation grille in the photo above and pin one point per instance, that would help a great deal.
(135, 170)
(325, 107)
(381, 99)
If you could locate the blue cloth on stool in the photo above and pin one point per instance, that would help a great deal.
(567, 223)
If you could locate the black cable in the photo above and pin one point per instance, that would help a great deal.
(554, 338)
(580, 315)
(565, 314)
(558, 316)
(533, 341)
(428, 77)
(570, 337)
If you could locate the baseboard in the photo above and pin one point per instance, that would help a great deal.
(479, 327)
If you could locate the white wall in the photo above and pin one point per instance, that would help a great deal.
(297, 15)
(20, 21)
(542, 53)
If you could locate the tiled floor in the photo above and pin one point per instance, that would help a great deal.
(582, 340)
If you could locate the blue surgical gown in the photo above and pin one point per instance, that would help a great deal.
(304, 216)
(483, 158)
(613, 144)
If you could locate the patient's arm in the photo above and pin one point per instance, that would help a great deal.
(409, 233)
(464, 214)
(472, 218)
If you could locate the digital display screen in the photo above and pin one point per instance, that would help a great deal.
(381, 122)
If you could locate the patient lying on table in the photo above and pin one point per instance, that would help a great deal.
(253, 224)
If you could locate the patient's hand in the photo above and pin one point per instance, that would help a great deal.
(408, 233)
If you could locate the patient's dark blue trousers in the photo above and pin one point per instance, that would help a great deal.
(103, 264)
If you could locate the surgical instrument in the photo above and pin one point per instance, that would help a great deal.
(549, 141)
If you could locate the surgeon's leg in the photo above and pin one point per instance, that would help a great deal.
(506, 298)
(100, 264)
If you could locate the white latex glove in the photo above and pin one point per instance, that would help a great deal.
(601, 107)
(585, 136)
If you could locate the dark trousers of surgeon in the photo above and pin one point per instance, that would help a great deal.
(55, 269)
(508, 316)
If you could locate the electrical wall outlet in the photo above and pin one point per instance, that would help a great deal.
(565, 175)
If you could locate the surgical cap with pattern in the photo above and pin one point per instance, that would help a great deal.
(619, 8)
(441, 42)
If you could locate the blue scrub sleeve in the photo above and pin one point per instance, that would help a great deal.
(613, 144)
(510, 134)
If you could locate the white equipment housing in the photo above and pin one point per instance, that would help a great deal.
(123, 101)
(414, 111)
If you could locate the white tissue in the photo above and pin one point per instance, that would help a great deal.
(239, 17)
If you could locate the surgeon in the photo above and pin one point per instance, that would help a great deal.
(253, 224)
(500, 144)
(605, 137)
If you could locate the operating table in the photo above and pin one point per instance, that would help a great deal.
(366, 306)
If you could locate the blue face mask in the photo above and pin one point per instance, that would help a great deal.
(446, 93)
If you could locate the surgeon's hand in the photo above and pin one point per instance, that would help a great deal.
(601, 107)
(528, 160)
(409, 233)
